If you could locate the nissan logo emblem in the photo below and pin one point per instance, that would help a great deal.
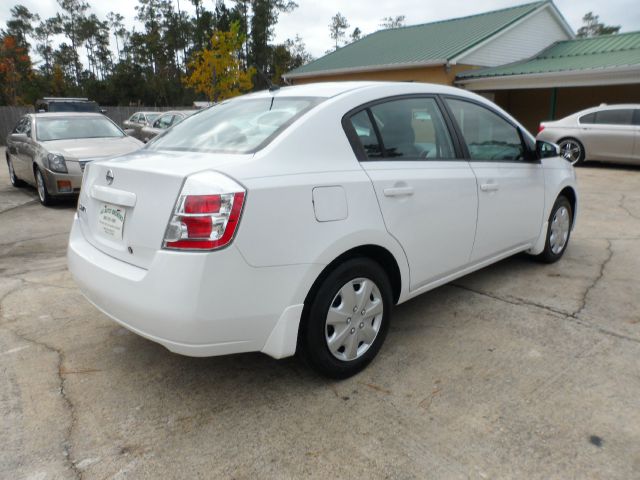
(109, 177)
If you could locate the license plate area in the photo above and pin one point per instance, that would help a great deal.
(110, 221)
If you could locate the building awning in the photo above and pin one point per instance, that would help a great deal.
(604, 60)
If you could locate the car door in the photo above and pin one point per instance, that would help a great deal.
(28, 148)
(510, 186)
(612, 135)
(426, 192)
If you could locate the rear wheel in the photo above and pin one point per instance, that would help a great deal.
(572, 150)
(43, 193)
(558, 231)
(347, 320)
(15, 181)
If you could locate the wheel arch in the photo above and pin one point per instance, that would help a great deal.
(570, 195)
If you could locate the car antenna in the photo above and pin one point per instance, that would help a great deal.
(272, 87)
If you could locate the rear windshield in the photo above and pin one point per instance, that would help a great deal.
(62, 128)
(235, 126)
(73, 107)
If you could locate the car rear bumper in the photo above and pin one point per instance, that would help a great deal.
(196, 304)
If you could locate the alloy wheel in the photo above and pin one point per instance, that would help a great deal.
(560, 225)
(571, 151)
(40, 185)
(12, 173)
(354, 319)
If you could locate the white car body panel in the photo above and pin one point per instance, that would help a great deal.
(308, 201)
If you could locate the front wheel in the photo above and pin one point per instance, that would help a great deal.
(347, 320)
(43, 194)
(558, 231)
(15, 181)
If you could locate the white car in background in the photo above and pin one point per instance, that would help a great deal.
(295, 220)
(608, 133)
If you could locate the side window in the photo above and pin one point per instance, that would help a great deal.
(413, 128)
(614, 117)
(588, 118)
(27, 127)
(636, 117)
(487, 135)
(19, 128)
(134, 118)
(366, 134)
(165, 121)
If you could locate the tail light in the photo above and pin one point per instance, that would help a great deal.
(207, 213)
(540, 128)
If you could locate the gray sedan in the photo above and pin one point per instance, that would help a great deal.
(163, 122)
(50, 150)
(608, 133)
(135, 123)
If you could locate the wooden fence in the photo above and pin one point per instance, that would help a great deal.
(9, 116)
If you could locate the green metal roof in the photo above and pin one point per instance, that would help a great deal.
(606, 51)
(418, 44)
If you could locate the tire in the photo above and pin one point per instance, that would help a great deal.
(15, 181)
(572, 151)
(43, 194)
(558, 231)
(356, 336)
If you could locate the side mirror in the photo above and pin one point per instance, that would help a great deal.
(129, 131)
(19, 137)
(547, 149)
(103, 111)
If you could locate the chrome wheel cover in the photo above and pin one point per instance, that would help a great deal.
(571, 151)
(40, 185)
(354, 319)
(12, 172)
(560, 226)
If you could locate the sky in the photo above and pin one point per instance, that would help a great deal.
(311, 19)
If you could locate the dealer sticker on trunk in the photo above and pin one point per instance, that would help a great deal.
(111, 221)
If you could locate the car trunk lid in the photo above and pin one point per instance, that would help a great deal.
(125, 203)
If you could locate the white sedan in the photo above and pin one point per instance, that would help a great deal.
(298, 231)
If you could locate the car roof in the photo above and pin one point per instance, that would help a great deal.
(65, 114)
(599, 108)
(332, 89)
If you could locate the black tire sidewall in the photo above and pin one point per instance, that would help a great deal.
(313, 344)
(547, 255)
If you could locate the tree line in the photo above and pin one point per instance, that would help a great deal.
(169, 58)
(160, 61)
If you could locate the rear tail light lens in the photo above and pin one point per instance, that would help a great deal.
(205, 221)
(540, 128)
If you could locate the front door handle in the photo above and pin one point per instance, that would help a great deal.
(398, 191)
(489, 187)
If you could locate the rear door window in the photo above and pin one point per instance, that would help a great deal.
(366, 133)
(588, 118)
(405, 129)
(614, 117)
(413, 128)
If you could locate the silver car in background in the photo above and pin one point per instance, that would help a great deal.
(608, 133)
(50, 150)
(135, 123)
(163, 122)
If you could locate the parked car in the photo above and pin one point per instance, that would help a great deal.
(135, 123)
(295, 220)
(66, 104)
(163, 122)
(608, 133)
(50, 150)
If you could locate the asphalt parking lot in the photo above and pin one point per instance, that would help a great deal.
(518, 371)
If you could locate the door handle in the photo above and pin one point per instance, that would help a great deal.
(398, 191)
(489, 187)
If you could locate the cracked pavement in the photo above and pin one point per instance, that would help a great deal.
(521, 370)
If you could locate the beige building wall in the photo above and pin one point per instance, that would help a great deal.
(437, 74)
